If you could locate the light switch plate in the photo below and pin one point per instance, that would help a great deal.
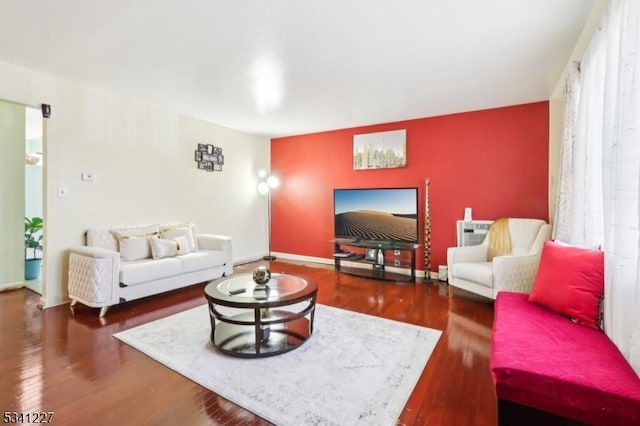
(63, 191)
(88, 176)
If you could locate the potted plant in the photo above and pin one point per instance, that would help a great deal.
(32, 240)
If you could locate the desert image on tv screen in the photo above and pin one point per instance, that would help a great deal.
(376, 214)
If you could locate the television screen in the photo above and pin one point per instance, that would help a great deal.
(378, 214)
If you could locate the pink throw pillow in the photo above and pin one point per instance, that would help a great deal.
(570, 281)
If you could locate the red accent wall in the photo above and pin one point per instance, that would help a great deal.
(495, 161)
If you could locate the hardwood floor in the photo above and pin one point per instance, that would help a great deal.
(71, 365)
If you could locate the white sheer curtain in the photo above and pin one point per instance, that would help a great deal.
(563, 218)
(588, 223)
(605, 178)
(621, 179)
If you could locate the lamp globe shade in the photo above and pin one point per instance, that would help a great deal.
(263, 188)
(273, 182)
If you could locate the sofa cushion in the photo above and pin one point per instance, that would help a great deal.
(133, 242)
(570, 281)
(202, 259)
(478, 272)
(140, 271)
(543, 360)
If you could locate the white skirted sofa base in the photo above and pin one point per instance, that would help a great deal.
(100, 276)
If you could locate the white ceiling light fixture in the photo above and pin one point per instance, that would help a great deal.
(267, 79)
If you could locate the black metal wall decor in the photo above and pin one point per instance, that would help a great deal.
(209, 158)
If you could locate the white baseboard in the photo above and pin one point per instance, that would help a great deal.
(246, 259)
(302, 258)
(419, 273)
(11, 286)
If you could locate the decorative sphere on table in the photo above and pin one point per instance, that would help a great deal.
(261, 275)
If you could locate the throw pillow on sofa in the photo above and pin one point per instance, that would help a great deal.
(182, 245)
(161, 248)
(570, 281)
(178, 230)
(134, 242)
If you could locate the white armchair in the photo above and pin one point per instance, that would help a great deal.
(469, 268)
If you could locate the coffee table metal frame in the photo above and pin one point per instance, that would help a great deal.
(260, 329)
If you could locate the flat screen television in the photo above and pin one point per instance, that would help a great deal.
(376, 214)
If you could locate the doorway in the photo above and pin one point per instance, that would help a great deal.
(33, 209)
(22, 138)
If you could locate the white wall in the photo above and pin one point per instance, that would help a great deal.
(11, 195)
(143, 160)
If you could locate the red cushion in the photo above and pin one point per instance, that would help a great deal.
(570, 281)
(543, 360)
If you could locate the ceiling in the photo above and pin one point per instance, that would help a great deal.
(285, 67)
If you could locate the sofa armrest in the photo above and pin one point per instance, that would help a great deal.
(214, 242)
(95, 252)
(218, 242)
(93, 276)
(515, 273)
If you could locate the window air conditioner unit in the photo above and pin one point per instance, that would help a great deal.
(473, 232)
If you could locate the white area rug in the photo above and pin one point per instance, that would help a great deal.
(356, 369)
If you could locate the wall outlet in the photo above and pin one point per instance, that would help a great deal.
(88, 176)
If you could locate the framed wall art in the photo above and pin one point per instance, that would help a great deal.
(380, 150)
(209, 157)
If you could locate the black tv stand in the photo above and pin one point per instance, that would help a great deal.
(394, 254)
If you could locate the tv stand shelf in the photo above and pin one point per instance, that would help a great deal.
(394, 254)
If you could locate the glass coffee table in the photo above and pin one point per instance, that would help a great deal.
(251, 320)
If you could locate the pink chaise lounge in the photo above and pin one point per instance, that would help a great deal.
(549, 370)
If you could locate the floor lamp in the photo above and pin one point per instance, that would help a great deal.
(267, 184)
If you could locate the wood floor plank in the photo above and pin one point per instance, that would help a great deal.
(70, 364)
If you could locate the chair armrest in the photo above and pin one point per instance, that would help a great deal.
(218, 242)
(514, 273)
(94, 252)
(466, 254)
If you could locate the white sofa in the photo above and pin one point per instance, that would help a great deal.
(121, 264)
